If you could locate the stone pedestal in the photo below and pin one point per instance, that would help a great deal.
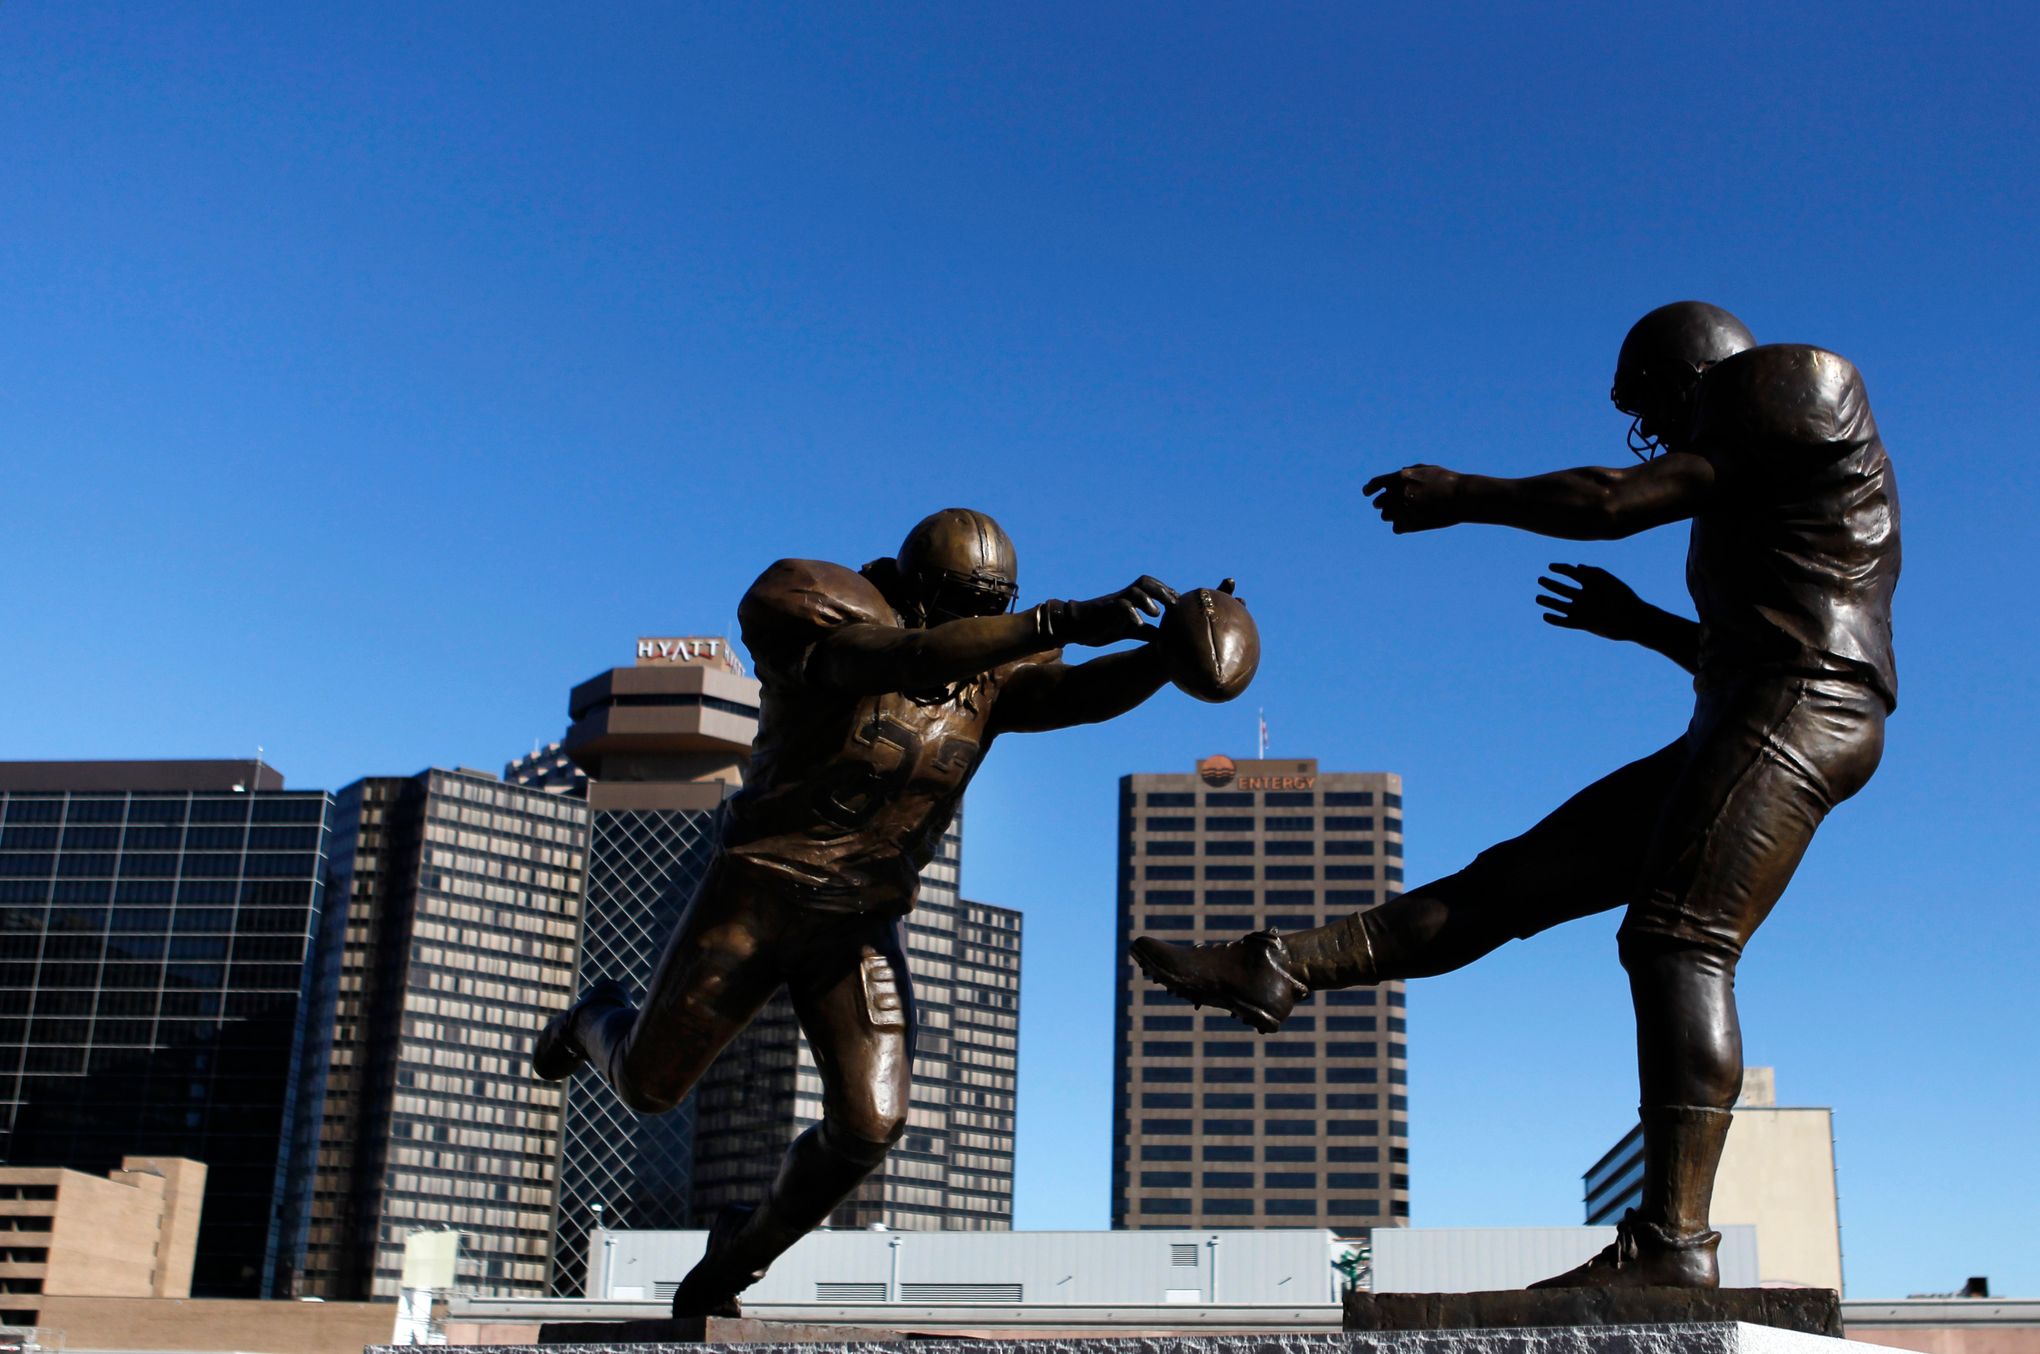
(1720, 1337)
(1811, 1311)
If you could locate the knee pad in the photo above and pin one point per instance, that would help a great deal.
(854, 1146)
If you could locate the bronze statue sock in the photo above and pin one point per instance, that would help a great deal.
(1338, 954)
(820, 1170)
(1681, 1152)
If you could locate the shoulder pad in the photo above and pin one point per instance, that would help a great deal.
(1783, 398)
(805, 595)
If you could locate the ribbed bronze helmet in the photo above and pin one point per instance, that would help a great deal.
(959, 562)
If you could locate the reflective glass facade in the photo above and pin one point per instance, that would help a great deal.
(643, 866)
(161, 970)
(463, 902)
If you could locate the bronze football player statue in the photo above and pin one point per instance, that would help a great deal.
(883, 689)
(1773, 454)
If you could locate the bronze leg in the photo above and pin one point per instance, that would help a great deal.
(855, 1003)
(720, 967)
(1581, 859)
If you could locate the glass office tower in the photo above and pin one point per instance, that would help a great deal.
(164, 951)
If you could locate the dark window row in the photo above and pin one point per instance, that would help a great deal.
(1287, 1153)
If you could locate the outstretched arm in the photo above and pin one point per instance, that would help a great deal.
(1052, 694)
(1592, 503)
(868, 659)
(1601, 604)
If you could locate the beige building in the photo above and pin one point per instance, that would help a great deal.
(131, 1234)
(1215, 1126)
(1777, 1174)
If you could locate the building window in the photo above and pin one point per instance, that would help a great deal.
(1165, 1151)
(1292, 872)
(1228, 1100)
(1352, 996)
(1346, 848)
(1231, 799)
(1288, 848)
(1228, 848)
(1224, 1152)
(1165, 1100)
(1228, 1127)
(1393, 801)
(1172, 848)
(1172, 922)
(1345, 871)
(1285, 1048)
(1345, 1179)
(1290, 1100)
(1291, 799)
(1227, 1048)
(1226, 1076)
(1289, 1180)
(1171, 799)
(1354, 1208)
(1290, 1128)
(1228, 1180)
(1165, 1048)
(1349, 897)
(1165, 1022)
(1229, 921)
(1166, 1074)
(1349, 1075)
(1171, 897)
(1289, 1152)
(1171, 825)
(1228, 825)
(1292, 921)
(1350, 1048)
(1305, 1075)
(1341, 1152)
(1349, 799)
(1228, 1207)
(1165, 1179)
(1346, 1022)
(1230, 898)
(1165, 1128)
(1291, 822)
(1168, 872)
(1165, 1205)
(1291, 1207)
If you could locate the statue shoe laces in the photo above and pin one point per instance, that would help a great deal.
(556, 1054)
(1250, 976)
(1646, 1255)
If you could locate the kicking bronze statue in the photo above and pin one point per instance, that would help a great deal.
(1773, 454)
(883, 689)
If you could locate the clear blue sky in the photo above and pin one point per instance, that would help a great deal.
(370, 374)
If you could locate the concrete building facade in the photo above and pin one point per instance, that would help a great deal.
(1215, 1126)
(165, 950)
(132, 1233)
(463, 899)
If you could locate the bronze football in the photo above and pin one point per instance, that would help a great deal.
(1210, 644)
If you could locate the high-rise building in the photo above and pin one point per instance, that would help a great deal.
(662, 744)
(1777, 1174)
(953, 1170)
(463, 901)
(166, 951)
(1215, 1126)
(131, 1233)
